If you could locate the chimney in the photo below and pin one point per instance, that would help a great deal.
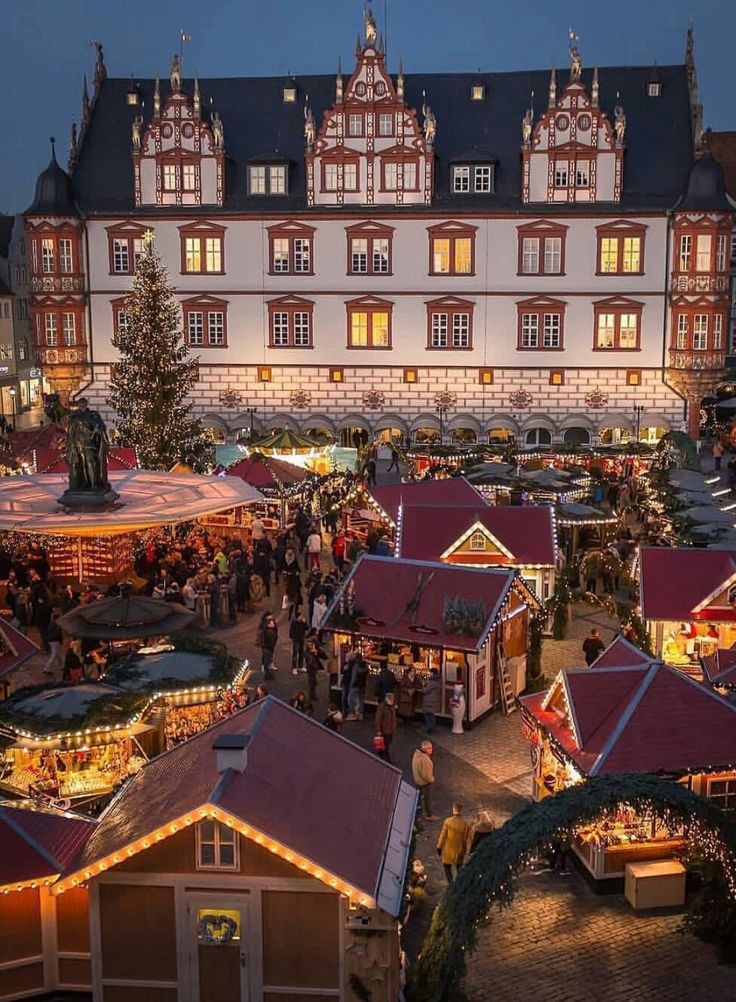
(232, 751)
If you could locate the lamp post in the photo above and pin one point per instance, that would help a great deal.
(12, 392)
(638, 411)
(250, 411)
(442, 408)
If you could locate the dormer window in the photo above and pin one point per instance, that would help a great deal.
(478, 542)
(654, 89)
(289, 95)
(477, 92)
(133, 95)
(267, 179)
(472, 178)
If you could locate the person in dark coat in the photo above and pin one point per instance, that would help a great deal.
(346, 673)
(593, 647)
(431, 700)
(408, 689)
(262, 567)
(298, 628)
(266, 638)
(386, 724)
(386, 683)
(313, 664)
(481, 829)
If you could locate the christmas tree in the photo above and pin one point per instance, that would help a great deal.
(151, 382)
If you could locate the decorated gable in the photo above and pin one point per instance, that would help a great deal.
(477, 545)
(369, 148)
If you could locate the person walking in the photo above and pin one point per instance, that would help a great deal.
(431, 700)
(386, 724)
(370, 471)
(482, 828)
(53, 635)
(452, 845)
(266, 638)
(338, 552)
(313, 664)
(314, 548)
(319, 611)
(718, 451)
(394, 465)
(346, 673)
(356, 692)
(386, 682)
(593, 647)
(297, 632)
(422, 771)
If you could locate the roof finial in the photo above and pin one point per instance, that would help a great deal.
(576, 63)
(310, 131)
(430, 122)
(338, 82)
(85, 103)
(52, 140)
(552, 88)
(595, 90)
(197, 98)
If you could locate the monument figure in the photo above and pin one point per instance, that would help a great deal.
(87, 451)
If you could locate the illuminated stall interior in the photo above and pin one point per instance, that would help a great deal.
(695, 617)
(470, 624)
(645, 718)
(284, 486)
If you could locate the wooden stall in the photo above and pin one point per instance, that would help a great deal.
(628, 718)
(284, 486)
(468, 624)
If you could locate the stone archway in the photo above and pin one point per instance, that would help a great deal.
(491, 874)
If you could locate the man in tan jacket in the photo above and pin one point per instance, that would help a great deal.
(422, 770)
(453, 843)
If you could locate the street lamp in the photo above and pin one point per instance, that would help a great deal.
(12, 392)
(250, 411)
(638, 411)
(442, 408)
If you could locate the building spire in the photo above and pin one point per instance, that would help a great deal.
(552, 100)
(197, 98)
(595, 90)
(338, 82)
(157, 96)
(696, 108)
(73, 148)
(400, 81)
(52, 140)
(85, 103)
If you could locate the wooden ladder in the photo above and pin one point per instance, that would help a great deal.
(508, 699)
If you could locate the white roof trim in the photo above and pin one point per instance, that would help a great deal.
(396, 854)
(477, 526)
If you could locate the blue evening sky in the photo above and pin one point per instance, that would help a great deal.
(46, 49)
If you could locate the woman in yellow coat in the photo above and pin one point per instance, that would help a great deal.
(452, 845)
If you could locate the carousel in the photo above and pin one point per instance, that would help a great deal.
(295, 448)
(91, 520)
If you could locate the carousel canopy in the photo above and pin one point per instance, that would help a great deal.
(268, 473)
(147, 498)
(285, 441)
(173, 670)
(54, 709)
(126, 617)
(38, 842)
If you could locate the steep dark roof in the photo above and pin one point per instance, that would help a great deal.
(54, 192)
(6, 232)
(258, 122)
(706, 187)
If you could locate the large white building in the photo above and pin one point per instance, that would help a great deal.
(527, 253)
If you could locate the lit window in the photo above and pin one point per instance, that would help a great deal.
(411, 375)
(385, 124)
(217, 847)
(721, 252)
(380, 329)
(257, 180)
(355, 125)
(192, 254)
(189, 177)
(477, 92)
(682, 331)
(478, 541)
(277, 179)
(628, 330)
(213, 251)
(120, 257)
(632, 254)
(441, 255)
(723, 793)
(703, 252)
(69, 329)
(359, 330)
(337, 375)
(51, 329)
(633, 377)
(551, 330)
(654, 89)
(561, 176)
(169, 177)
(700, 332)
(483, 177)
(609, 255)
(216, 327)
(686, 250)
(139, 249)
(461, 179)
(66, 265)
(530, 255)
(289, 95)
(451, 252)
(606, 330)
(47, 256)
(556, 377)
(368, 327)
(195, 327)
(717, 332)
(530, 330)
(390, 176)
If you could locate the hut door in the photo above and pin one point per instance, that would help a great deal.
(219, 948)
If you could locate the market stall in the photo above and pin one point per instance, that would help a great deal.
(297, 449)
(688, 602)
(469, 625)
(582, 525)
(638, 718)
(284, 486)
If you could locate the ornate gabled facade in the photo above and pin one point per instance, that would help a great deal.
(370, 240)
(370, 149)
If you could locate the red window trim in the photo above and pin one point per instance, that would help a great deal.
(617, 306)
(399, 156)
(540, 305)
(290, 231)
(541, 230)
(203, 230)
(620, 229)
(452, 230)
(44, 307)
(55, 233)
(116, 305)
(343, 157)
(178, 158)
(369, 305)
(370, 231)
(451, 305)
(204, 305)
(689, 309)
(686, 227)
(129, 231)
(290, 305)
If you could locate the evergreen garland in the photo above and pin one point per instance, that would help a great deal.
(491, 873)
(150, 384)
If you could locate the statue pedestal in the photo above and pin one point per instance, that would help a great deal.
(88, 500)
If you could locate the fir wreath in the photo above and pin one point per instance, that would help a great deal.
(490, 877)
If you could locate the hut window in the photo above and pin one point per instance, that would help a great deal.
(477, 541)
(217, 847)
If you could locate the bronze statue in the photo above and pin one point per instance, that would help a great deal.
(87, 449)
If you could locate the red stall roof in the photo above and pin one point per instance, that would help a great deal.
(16, 648)
(453, 491)
(23, 443)
(621, 652)
(720, 668)
(303, 786)
(38, 843)
(267, 472)
(404, 600)
(646, 719)
(687, 584)
(527, 535)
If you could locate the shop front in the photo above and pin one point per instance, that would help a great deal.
(468, 626)
(635, 718)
